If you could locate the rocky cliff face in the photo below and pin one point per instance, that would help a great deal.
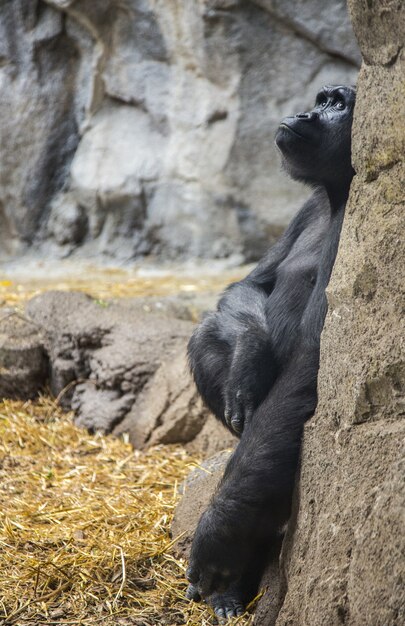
(145, 126)
(343, 558)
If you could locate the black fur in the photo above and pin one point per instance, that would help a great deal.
(255, 360)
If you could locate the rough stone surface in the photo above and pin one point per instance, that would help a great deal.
(197, 490)
(272, 588)
(344, 561)
(120, 365)
(184, 306)
(146, 127)
(212, 438)
(169, 409)
(39, 112)
(23, 362)
(102, 355)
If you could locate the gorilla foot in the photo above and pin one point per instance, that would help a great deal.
(225, 605)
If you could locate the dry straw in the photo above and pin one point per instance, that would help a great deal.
(84, 521)
(84, 526)
(104, 284)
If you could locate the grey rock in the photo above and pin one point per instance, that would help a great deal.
(67, 222)
(178, 307)
(212, 439)
(169, 409)
(120, 366)
(325, 23)
(143, 128)
(379, 30)
(23, 361)
(38, 120)
(271, 586)
(102, 355)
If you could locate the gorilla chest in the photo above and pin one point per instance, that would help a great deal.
(295, 280)
(299, 270)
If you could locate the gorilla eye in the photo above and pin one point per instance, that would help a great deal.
(323, 103)
(340, 105)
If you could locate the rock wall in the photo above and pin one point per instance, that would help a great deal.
(343, 558)
(138, 127)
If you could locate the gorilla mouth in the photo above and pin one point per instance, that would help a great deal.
(283, 125)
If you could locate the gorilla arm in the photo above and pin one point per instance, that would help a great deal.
(245, 322)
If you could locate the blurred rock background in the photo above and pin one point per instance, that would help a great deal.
(145, 127)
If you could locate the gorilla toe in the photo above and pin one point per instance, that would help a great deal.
(227, 605)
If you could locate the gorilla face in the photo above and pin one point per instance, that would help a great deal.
(316, 145)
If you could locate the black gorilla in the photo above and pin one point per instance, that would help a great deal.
(255, 360)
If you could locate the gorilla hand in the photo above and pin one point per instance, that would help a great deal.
(252, 374)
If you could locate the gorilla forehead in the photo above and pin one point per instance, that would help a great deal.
(330, 90)
(332, 87)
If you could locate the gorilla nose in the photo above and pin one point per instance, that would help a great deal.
(308, 117)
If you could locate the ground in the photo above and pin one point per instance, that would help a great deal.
(85, 520)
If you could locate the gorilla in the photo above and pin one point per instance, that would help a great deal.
(255, 361)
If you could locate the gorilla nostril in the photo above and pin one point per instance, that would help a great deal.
(308, 117)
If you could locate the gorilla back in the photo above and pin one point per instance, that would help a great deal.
(255, 359)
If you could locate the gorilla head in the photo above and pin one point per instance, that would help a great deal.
(316, 146)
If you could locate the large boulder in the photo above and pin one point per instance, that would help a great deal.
(102, 355)
(121, 366)
(169, 409)
(344, 560)
(147, 127)
(211, 439)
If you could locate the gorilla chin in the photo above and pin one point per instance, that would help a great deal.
(285, 134)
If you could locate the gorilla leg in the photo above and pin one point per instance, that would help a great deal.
(254, 498)
(210, 359)
(233, 360)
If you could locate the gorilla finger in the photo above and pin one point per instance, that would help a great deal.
(228, 414)
(249, 410)
(192, 575)
(241, 406)
(240, 609)
(230, 612)
(192, 593)
(220, 614)
(237, 424)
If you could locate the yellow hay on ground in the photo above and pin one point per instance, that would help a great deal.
(84, 526)
(109, 284)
